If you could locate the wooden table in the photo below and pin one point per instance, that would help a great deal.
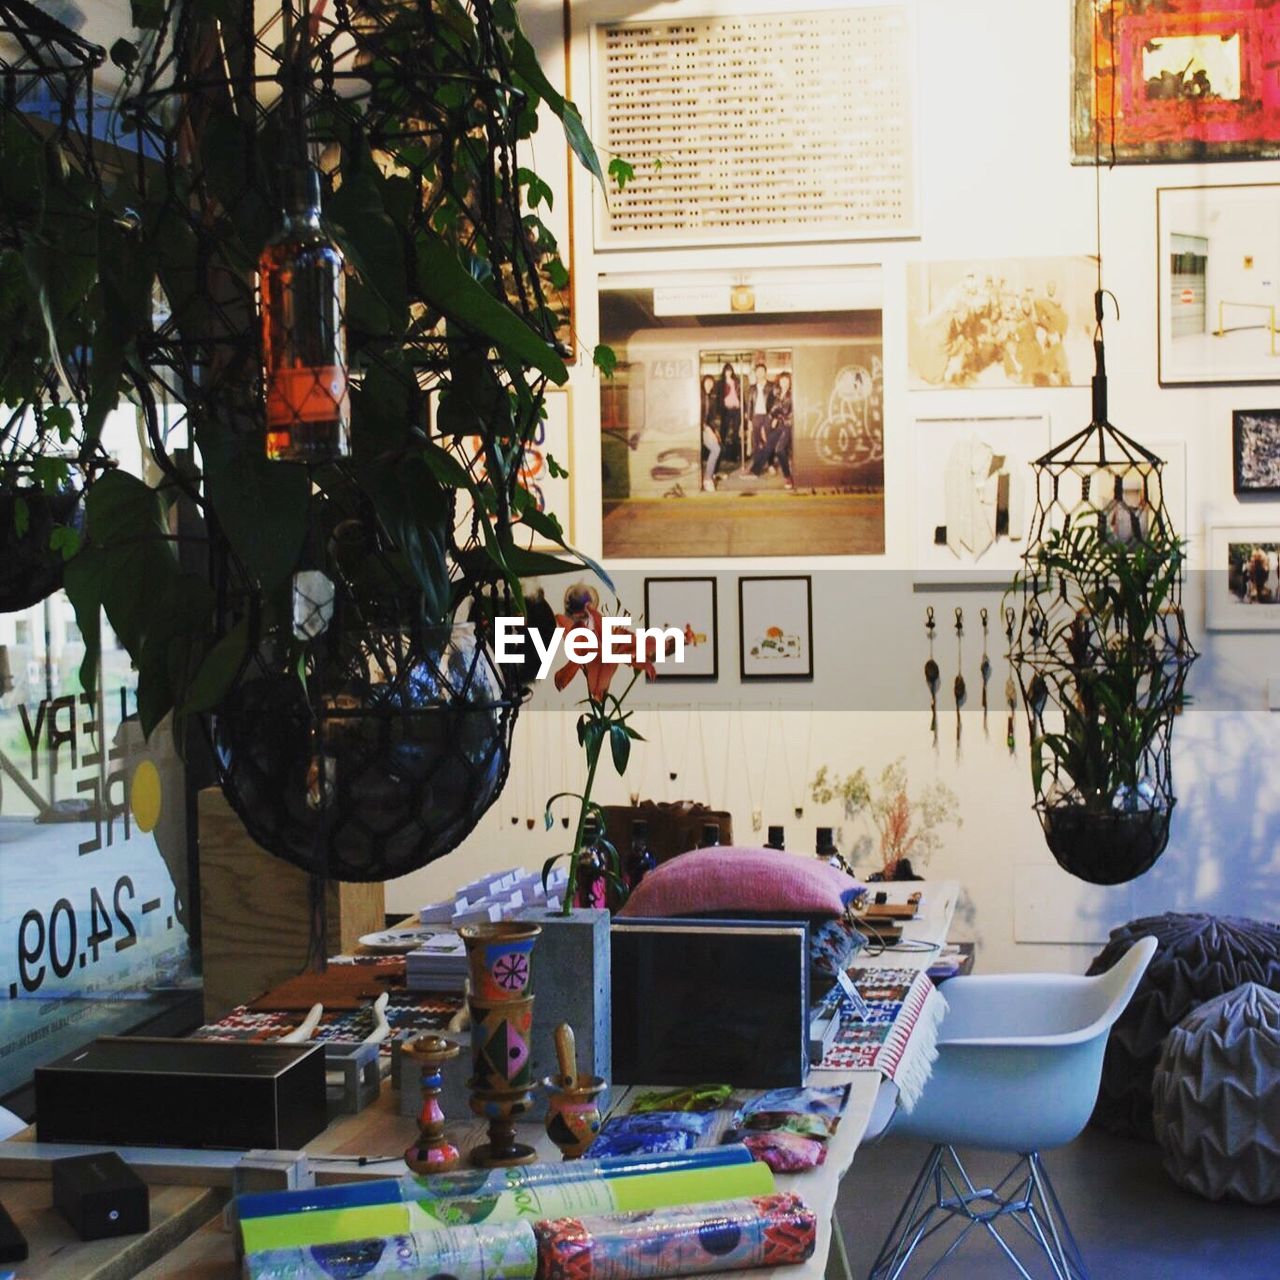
(208, 1253)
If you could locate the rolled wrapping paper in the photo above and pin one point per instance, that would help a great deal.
(502, 1251)
(480, 1182)
(766, 1231)
(587, 1198)
(734, 1235)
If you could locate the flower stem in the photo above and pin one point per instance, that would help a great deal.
(571, 888)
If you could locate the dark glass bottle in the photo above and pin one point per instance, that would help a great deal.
(641, 860)
(825, 844)
(593, 883)
(710, 835)
(301, 297)
(777, 839)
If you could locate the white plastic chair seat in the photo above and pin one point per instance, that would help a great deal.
(1020, 1057)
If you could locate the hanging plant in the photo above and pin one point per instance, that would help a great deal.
(355, 728)
(1102, 655)
(55, 229)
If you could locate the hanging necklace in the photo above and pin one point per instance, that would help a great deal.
(797, 795)
(1010, 689)
(757, 814)
(528, 785)
(684, 746)
(702, 753)
(932, 676)
(958, 683)
(984, 668)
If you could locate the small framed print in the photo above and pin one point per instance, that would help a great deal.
(775, 628)
(691, 603)
(1255, 440)
(1242, 589)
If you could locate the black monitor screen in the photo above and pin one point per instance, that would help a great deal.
(702, 1001)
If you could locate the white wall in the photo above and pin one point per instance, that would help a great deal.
(996, 181)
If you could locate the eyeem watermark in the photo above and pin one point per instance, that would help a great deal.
(616, 642)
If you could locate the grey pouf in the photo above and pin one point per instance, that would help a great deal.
(1199, 957)
(1216, 1098)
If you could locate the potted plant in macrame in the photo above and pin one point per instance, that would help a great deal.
(1103, 658)
(315, 621)
(908, 829)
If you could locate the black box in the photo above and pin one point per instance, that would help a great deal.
(135, 1091)
(721, 1000)
(100, 1196)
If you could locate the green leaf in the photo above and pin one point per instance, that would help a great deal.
(528, 69)
(605, 359)
(447, 285)
(219, 669)
(64, 540)
(82, 581)
(261, 505)
(620, 746)
(548, 867)
(621, 171)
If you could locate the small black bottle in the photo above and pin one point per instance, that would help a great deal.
(641, 860)
(593, 883)
(825, 844)
(710, 835)
(777, 839)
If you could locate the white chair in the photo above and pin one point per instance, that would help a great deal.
(1019, 1060)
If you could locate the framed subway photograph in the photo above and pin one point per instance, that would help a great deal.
(775, 628)
(1218, 299)
(1255, 443)
(686, 602)
(1242, 587)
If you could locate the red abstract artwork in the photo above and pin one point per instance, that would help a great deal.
(1160, 81)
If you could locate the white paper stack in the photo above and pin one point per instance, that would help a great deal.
(497, 897)
(440, 964)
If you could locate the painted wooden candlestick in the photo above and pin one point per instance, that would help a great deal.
(432, 1152)
(573, 1101)
(499, 957)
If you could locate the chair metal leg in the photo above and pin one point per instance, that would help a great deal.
(944, 1194)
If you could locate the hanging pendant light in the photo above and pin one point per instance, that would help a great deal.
(1102, 652)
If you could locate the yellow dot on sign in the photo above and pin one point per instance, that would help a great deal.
(144, 796)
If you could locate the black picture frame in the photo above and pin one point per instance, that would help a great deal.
(1239, 433)
(672, 671)
(799, 667)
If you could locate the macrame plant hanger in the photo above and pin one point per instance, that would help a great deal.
(1101, 651)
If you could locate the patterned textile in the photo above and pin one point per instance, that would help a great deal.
(832, 944)
(899, 1035)
(405, 1012)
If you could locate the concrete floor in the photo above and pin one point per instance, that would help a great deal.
(1131, 1221)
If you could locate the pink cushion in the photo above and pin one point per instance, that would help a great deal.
(732, 879)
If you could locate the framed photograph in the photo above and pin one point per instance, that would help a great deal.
(745, 416)
(975, 496)
(742, 172)
(1219, 284)
(775, 628)
(1255, 443)
(681, 602)
(1008, 322)
(1181, 81)
(1242, 586)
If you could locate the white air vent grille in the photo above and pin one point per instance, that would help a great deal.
(759, 127)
